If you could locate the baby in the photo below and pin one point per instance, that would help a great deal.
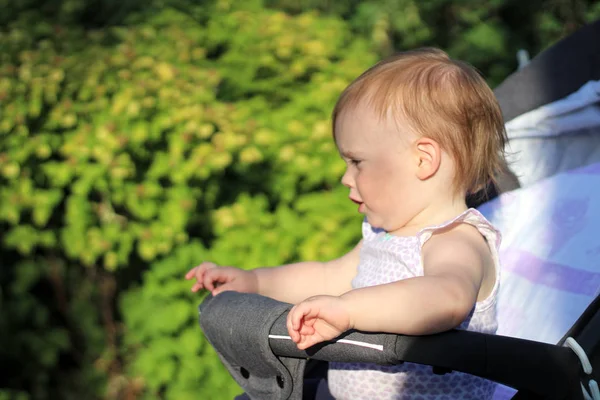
(418, 132)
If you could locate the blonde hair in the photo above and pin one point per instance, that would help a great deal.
(443, 99)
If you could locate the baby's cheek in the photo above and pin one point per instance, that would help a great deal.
(367, 185)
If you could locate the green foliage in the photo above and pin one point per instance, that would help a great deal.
(118, 145)
(95, 123)
(34, 342)
(168, 353)
(123, 144)
(486, 35)
(265, 211)
(13, 395)
(67, 12)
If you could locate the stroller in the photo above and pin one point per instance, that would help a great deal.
(552, 109)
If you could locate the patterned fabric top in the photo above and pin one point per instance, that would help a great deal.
(385, 258)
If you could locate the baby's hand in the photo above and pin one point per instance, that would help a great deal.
(217, 279)
(317, 319)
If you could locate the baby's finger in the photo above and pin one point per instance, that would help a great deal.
(305, 343)
(306, 314)
(197, 286)
(290, 326)
(212, 276)
(199, 270)
(221, 288)
(190, 274)
(309, 320)
(307, 329)
(302, 345)
(296, 314)
(207, 281)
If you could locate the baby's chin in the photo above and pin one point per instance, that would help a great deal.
(381, 223)
(374, 221)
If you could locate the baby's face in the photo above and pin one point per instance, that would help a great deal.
(381, 167)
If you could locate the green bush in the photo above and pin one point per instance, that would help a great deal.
(263, 209)
(50, 331)
(120, 145)
(487, 35)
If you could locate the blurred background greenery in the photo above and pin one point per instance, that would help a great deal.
(138, 138)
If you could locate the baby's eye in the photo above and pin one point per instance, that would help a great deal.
(355, 162)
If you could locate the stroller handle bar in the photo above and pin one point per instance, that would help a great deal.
(250, 335)
(545, 370)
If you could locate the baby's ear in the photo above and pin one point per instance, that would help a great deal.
(428, 155)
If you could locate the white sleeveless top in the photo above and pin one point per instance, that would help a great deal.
(383, 259)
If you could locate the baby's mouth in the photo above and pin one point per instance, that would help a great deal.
(361, 205)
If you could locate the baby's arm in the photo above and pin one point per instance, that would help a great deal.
(293, 283)
(289, 283)
(455, 264)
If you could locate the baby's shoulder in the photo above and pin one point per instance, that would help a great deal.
(471, 225)
(456, 236)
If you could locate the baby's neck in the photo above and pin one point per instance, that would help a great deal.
(436, 213)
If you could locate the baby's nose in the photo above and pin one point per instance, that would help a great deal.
(347, 180)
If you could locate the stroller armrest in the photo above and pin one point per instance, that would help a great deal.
(546, 370)
(250, 335)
